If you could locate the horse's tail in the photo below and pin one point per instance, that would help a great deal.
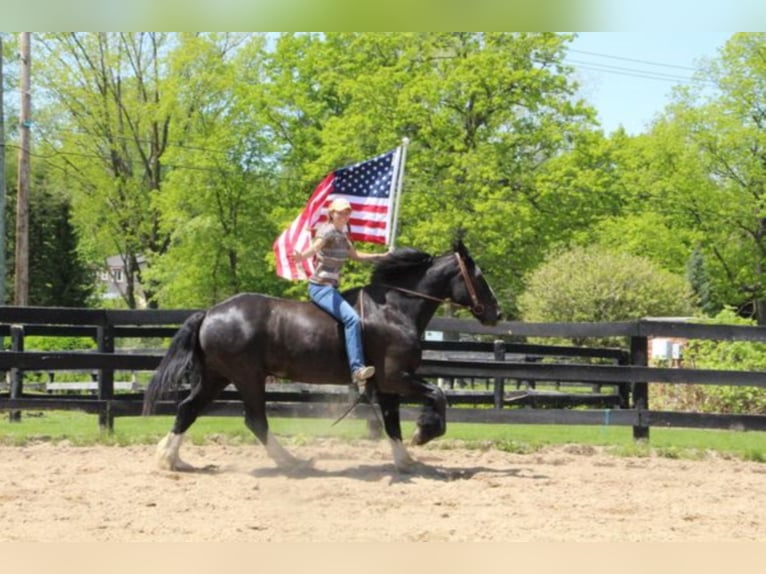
(181, 361)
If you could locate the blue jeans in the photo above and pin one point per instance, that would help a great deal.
(327, 298)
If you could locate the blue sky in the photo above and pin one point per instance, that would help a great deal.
(628, 76)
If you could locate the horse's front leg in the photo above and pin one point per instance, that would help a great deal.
(389, 405)
(432, 422)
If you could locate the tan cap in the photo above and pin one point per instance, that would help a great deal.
(339, 204)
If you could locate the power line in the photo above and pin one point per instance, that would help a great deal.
(637, 61)
(637, 72)
(49, 159)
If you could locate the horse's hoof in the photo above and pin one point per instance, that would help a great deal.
(177, 466)
(181, 466)
(405, 464)
(166, 454)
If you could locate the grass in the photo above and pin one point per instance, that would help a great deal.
(82, 429)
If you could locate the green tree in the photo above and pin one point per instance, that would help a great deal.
(57, 275)
(221, 187)
(653, 178)
(720, 135)
(106, 127)
(196, 150)
(592, 284)
(489, 117)
(699, 279)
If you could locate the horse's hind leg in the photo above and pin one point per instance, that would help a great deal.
(256, 421)
(254, 397)
(190, 408)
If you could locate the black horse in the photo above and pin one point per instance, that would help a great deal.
(250, 337)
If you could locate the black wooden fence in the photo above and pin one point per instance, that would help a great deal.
(507, 369)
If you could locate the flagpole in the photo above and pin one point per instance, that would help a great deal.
(399, 181)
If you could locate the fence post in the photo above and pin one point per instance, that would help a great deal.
(105, 339)
(499, 347)
(623, 390)
(17, 375)
(638, 357)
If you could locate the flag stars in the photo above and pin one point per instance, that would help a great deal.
(367, 179)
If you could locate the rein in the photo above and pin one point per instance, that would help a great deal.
(475, 307)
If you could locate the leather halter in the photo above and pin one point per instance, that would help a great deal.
(476, 307)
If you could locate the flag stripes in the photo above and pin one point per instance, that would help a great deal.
(369, 186)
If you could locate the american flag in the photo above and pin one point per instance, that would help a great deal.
(369, 186)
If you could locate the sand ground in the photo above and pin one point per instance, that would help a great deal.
(63, 493)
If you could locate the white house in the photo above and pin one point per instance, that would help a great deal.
(113, 278)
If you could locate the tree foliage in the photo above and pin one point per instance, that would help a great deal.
(592, 284)
(718, 143)
(58, 277)
(107, 128)
(718, 355)
(194, 150)
(220, 189)
(489, 117)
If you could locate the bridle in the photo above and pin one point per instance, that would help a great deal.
(475, 307)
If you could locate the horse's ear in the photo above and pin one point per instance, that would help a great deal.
(457, 243)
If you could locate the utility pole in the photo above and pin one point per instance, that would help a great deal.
(22, 204)
(2, 183)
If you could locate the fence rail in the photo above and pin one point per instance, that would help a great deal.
(496, 355)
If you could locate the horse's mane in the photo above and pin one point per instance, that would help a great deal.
(401, 263)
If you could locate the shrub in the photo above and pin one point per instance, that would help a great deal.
(594, 284)
(723, 355)
(35, 343)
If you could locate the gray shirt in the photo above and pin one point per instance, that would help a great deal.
(331, 256)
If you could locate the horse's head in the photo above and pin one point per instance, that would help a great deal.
(470, 288)
(451, 277)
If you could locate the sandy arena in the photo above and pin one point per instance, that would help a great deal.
(63, 493)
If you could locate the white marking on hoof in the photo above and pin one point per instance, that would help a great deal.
(402, 459)
(167, 453)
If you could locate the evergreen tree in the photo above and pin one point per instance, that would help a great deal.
(57, 276)
(700, 283)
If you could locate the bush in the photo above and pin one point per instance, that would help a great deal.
(592, 284)
(723, 355)
(38, 343)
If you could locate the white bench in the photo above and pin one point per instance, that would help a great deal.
(91, 386)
